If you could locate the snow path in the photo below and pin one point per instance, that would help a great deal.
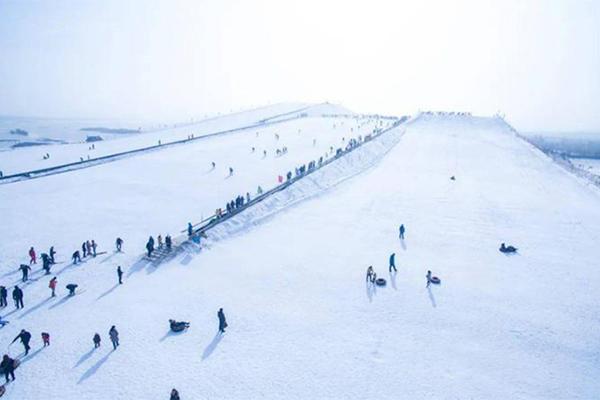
(302, 323)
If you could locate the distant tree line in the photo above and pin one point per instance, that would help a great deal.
(568, 147)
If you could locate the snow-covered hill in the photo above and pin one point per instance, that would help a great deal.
(302, 322)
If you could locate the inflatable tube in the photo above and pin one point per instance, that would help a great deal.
(380, 282)
(435, 280)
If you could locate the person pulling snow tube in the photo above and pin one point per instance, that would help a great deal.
(507, 249)
(178, 326)
(380, 282)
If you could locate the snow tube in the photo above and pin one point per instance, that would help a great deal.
(179, 327)
(435, 280)
(380, 282)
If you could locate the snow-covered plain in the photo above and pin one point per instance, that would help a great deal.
(302, 322)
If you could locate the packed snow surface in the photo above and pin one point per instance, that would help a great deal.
(302, 322)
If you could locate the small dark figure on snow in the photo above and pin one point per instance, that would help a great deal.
(119, 243)
(94, 245)
(114, 337)
(190, 229)
(52, 253)
(46, 263)
(370, 273)
(25, 337)
(428, 276)
(507, 249)
(230, 171)
(168, 242)
(174, 395)
(88, 247)
(76, 257)
(8, 366)
(178, 326)
(52, 286)
(17, 296)
(71, 288)
(150, 246)
(32, 258)
(96, 341)
(213, 165)
(46, 338)
(222, 321)
(402, 230)
(3, 296)
(84, 249)
(120, 274)
(393, 262)
(25, 271)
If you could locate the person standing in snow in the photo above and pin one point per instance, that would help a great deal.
(393, 262)
(32, 258)
(52, 286)
(84, 249)
(160, 241)
(46, 338)
(174, 395)
(222, 321)
(8, 366)
(94, 245)
(76, 257)
(17, 296)
(46, 263)
(114, 337)
(52, 253)
(370, 273)
(25, 337)
(88, 247)
(25, 271)
(190, 229)
(3, 296)
(428, 276)
(96, 340)
(119, 243)
(120, 274)
(402, 230)
(168, 242)
(150, 246)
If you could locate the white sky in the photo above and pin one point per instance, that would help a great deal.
(536, 61)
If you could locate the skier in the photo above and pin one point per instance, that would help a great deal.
(46, 263)
(25, 337)
(190, 229)
(52, 286)
(174, 395)
(120, 274)
(150, 246)
(32, 259)
(428, 276)
(46, 338)
(25, 271)
(8, 366)
(393, 262)
(222, 322)
(94, 247)
(119, 243)
(370, 273)
(402, 230)
(114, 337)
(76, 257)
(71, 288)
(52, 253)
(3, 296)
(168, 242)
(84, 249)
(17, 296)
(96, 340)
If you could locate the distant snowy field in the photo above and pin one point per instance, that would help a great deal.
(302, 322)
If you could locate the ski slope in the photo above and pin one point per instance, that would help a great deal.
(302, 322)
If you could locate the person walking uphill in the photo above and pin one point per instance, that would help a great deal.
(190, 229)
(25, 337)
(114, 337)
(222, 321)
(402, 230)
(120, 274)
(32, 258)
(150, 246)
(96, 341)
(119, 243)
(3, 296)
(393, 262)
(17, 296)
(8, 366)
(25, 271)
(52, 286)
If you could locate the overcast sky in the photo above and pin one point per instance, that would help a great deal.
(536, 61)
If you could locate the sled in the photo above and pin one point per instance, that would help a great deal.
(435, 280)
(179, 327)
(380, 282)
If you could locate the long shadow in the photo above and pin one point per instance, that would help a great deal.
(32, 309)
(393, 279)
(94, 368)
(433, 303)
(85, 357)
(403, 244)
(105, 259)
(31, 355)
(212, 346)
(109, 291)
(62, 301)
(11, 312)
(171, 333)
(138, 266)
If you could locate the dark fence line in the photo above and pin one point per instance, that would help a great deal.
(206, 224)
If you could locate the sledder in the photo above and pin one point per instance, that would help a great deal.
(178, 326)
(507, 249)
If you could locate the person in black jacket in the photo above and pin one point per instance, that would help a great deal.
(8, 366)
(25, 338)
(3, 296)
(174, 395)
(120, 274)
(17, 296)
(222, 321)
(25, 271)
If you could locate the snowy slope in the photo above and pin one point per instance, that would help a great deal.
(302, 323)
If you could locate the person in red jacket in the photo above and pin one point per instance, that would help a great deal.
(32, 256)
(52, 285)
(46, 338)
